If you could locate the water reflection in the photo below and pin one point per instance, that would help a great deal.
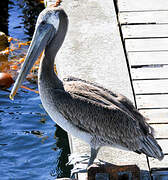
(63, 144)
(27, 145)
(4, 16)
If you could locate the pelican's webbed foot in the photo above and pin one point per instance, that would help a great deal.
(82, 162)
(79, 162)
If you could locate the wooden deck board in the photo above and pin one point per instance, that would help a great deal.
(149, 73)
(148, 17)
(144, 27)
(156, 115)
(154, 163)
(150, 86)
(152, 101)
(160, 44)
(145, 31)
(161, 130)
(163, 143)
(147, 58)
(143, 5)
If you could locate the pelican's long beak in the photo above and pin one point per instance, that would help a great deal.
(42, 36)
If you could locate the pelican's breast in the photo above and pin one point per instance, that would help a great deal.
(51, 109)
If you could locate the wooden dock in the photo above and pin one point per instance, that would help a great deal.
(144, 30)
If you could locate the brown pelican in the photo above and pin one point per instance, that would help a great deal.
(83, 109)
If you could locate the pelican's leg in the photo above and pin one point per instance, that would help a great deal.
(93, 155)
(76, 159)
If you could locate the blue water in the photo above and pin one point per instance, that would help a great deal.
(22, 18)
(32, 146)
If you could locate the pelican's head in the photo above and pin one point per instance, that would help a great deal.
(51, 27)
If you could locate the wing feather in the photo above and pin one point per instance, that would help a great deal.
(109, 117)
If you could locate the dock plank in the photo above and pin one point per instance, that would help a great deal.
(143, 5)
(145, 31)
(154, 163)
(150, 86)
(149, 73)
(147, 58)
(161, 130)
(146, 17)
(156, 115)
(164, 145)
(144, 26)
(152, 101)
(160, 44)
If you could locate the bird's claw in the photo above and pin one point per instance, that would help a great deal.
(76, 159)
(77, 171)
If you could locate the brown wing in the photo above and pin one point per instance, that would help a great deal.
(106, 116)
(109, 97)
(91, 109)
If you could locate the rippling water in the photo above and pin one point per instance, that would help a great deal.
(28, 139)
(31, 145)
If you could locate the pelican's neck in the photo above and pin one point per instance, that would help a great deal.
(47, 76)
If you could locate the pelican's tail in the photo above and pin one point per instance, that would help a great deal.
(151, 148)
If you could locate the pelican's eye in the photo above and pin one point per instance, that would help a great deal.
(43, 22)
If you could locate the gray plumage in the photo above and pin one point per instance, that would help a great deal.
(87, 110)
